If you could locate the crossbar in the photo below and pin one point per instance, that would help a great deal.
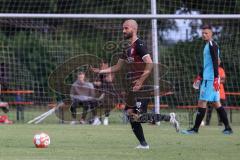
(119, 16)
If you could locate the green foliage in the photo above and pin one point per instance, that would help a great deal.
(27, 6)
(213, 6)
(38, 46)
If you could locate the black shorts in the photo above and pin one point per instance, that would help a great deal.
(140, 106)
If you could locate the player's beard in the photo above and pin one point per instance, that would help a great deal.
(128, 35)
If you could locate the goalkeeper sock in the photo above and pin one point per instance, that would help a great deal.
(138, 131)
(200, 115)
(209, 115)
(223, 116)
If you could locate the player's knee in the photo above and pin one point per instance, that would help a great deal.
(217, 104)
(202, 104)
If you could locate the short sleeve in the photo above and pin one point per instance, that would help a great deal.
(141, 49)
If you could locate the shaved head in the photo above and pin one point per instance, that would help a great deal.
(131, 23)
(130, 28)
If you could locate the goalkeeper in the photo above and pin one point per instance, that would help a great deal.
(135, 54)
(209, 78)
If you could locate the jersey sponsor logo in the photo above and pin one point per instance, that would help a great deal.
(132, 51)
(138, 105)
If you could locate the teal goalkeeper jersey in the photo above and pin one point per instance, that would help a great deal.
(210, 60)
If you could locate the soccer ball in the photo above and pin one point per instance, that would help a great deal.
(41, 140)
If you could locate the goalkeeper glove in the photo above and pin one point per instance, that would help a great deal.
(216, 84)
(197, 82)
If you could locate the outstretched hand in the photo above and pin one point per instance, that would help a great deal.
(137, 85)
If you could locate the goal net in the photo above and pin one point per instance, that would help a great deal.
(34, 49)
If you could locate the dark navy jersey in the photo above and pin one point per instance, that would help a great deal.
(135, 53)
(134, 57)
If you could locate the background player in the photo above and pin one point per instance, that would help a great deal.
(104, 82)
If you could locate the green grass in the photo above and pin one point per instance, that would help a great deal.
(116, 116)
(116, 142)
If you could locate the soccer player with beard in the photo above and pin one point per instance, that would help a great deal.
(135, 55)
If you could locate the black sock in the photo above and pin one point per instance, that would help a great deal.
(223, 116)
(199, 118)
(162, 117)
(209, 115)
(73, 112)
(138, 131)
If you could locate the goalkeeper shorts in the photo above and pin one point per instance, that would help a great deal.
(208, 93)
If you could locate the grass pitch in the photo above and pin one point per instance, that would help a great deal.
(116, 142)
